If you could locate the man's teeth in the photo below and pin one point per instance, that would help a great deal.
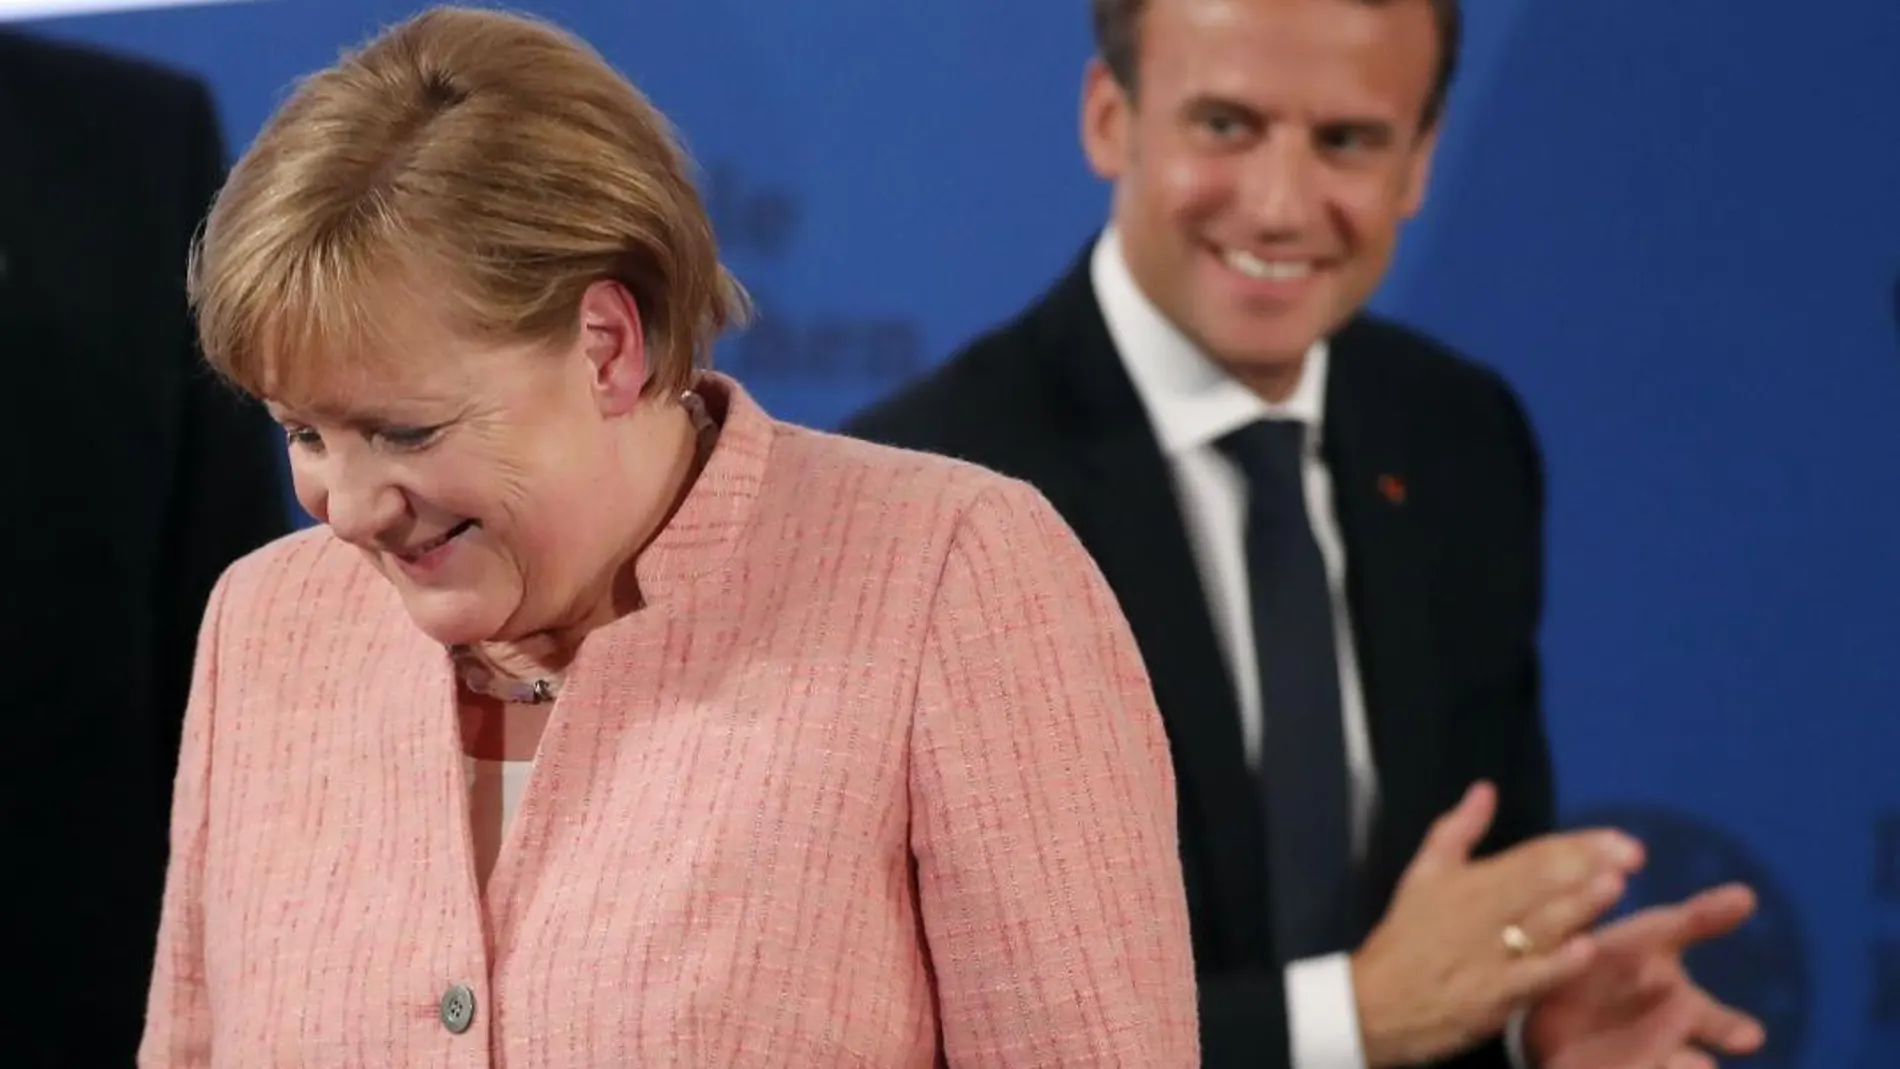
(1267, 270)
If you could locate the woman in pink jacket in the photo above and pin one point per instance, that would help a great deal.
(606, 720)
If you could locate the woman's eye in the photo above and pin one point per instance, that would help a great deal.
(408, 437)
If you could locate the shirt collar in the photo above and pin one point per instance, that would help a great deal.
(1190, 400)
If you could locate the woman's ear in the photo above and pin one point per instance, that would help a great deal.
(613, 342)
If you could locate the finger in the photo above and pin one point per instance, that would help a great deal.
(1537, 973)
(1729, 1030)
(1534, 873)
(1458, 831)
(1689, 1059)
(1717, 912)
(1708, 915)
(1571, 912)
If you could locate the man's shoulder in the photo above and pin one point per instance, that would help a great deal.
(1410, 359)
(1008, 392)
(94, 116)
(1436, 385)
(993, 365)
(999, 387)
(46, 72)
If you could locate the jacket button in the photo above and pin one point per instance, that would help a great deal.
(458, 1008)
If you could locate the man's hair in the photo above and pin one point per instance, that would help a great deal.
(484, 166)
(1118, 41)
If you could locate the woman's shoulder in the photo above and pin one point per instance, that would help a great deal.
(897, 512)
(827, 471)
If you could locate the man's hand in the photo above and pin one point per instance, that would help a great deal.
(1635, 1007)
(1437, 976)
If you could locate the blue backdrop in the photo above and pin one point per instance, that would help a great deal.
(1675, 226)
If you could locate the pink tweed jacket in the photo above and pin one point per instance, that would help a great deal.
(875, 779)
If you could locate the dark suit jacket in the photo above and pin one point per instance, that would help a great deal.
(129, 478)
(1445, 590)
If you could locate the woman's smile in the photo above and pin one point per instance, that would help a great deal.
(428, 557)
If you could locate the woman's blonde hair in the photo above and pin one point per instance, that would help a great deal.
(484, 164)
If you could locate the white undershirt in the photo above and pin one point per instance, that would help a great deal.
(497, 784)
(494, 796)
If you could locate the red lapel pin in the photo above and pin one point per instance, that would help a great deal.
(1393, 489)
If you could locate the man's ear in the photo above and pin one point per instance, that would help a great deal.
(1107, 114)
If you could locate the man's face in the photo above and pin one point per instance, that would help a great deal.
(1264, 165)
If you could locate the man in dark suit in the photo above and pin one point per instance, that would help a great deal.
(131, 478)
(1326, 531)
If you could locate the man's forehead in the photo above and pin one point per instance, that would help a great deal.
(1365, 29)
(1346, 55)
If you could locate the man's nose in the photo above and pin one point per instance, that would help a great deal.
(1279, 185)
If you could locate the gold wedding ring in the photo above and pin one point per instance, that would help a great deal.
(1516, 941)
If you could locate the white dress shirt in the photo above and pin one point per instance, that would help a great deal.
(1192, 403)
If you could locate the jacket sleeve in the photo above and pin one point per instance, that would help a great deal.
(1512, 711)
(1042, 810)
(1527, 796)
(1244, 1021)
(178, 1011)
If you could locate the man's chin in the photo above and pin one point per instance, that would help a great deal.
(1273, 363)
(1259, 337)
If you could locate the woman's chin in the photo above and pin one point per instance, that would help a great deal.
(454, 617)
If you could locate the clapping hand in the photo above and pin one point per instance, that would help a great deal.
(1635, 1006)
(1467, 942)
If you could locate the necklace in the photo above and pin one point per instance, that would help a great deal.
(476, 674)
(478, 677)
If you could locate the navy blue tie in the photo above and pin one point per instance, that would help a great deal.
(1303, 774)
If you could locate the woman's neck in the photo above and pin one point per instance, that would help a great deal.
(683, 435)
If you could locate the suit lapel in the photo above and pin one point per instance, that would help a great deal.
(1124, 506)
(1373, 459)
